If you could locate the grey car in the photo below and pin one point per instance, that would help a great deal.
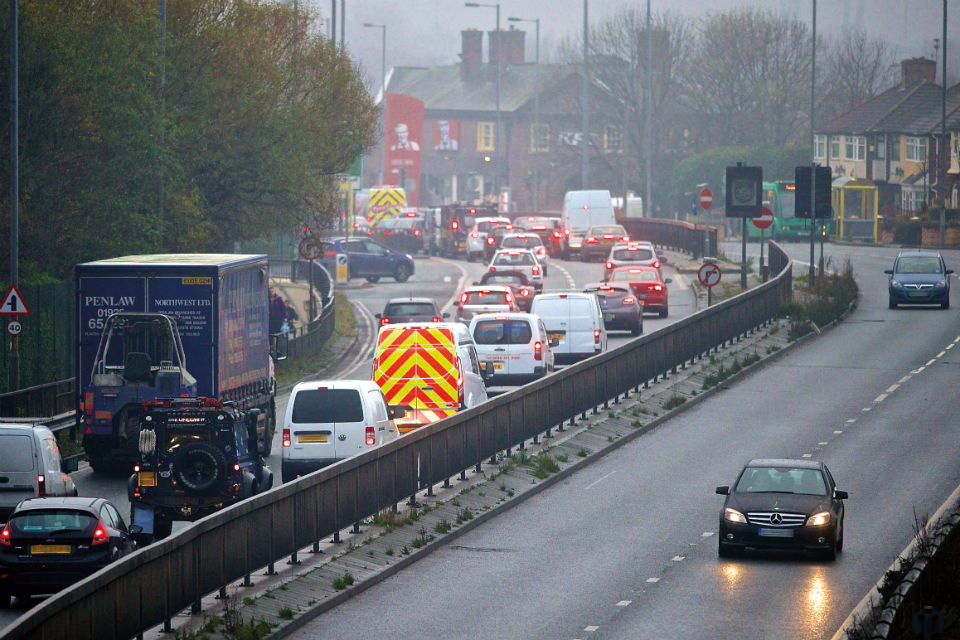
(919, 277)
(622, 311)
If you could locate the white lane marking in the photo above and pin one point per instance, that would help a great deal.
(571, 283)
(677, 558)
(851, 420)
(930, 362)
(625, 603)
(363, 349)
(837, 432)
(706, 534)
(880, 398)
(823, 444)
(807, 455)
(653, 580)
(456, 290)
(904, 379)
(951, 345)
(598, 481)
(893, 388)
(941, 354)
(591, 628)
(917, 371)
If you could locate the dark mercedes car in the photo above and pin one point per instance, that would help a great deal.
(919, 277)
(622, 310)
(49, 544)
(782, 504)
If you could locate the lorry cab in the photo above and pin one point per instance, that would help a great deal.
(431, 369)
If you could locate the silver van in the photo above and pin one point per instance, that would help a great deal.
(575, 321)
(30, 466)
(581, 210)
(330, 420)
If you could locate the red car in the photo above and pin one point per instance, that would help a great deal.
(647, 284)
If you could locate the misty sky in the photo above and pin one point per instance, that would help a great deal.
(427, 32)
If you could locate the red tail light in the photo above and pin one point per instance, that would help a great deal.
(416, 232)
(609, 265)
(524, 292)
(474, 235)
(625, 239)
(591, 240)
(459, 375)
(656, 263)
(436, 319)
(658, 287)
(5, 535)
(489, 240)
(371, 436)
(454, 225)
(386, 233)
(286, 437)
(536, 271)
(463, 299)
(492, 269)
(556, 234)
(537, 350)
(41, 485)
(100, 534)
(629, 300)
(384, 321)
(596, 336)
(88, 403)
(330, 254)
(508, 297)
(236, 466)
(566, 231)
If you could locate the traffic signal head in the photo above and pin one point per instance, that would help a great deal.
(821, 197)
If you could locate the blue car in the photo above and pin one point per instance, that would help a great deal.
(919, 277)
(367, 259)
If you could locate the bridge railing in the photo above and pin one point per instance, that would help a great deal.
(152, 585)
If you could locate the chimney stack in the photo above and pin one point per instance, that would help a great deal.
(915, 70)
(511, 50)
(471, 56)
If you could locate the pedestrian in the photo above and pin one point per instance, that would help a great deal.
(278, 311)
(291, 314)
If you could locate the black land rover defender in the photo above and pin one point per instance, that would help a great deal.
(196, 455)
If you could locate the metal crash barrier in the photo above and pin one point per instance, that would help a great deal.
(152, 585)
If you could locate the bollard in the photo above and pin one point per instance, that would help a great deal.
(583, 416)
(246, 581)
(316, 547)
(222, 594)
(356, 527)
(293, 559)
(477, 468)
(167, 627)
(446, 483)
(336, 537)
(463, 475)
(430, 490)
(271, 571)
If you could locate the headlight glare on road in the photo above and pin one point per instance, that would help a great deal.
(819, 519)
(732, 515)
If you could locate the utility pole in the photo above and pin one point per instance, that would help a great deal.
(647, 120)
(585, 126)
(813, 168)
(13, 370)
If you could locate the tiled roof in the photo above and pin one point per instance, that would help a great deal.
(864, 117)
(915, 110)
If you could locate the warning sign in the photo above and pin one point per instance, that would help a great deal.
(13, 304)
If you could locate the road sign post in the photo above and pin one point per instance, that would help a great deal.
(709, 276)
(763, 222)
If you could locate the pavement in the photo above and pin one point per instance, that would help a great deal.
(359, 557)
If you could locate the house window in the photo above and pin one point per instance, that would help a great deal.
(895, 149)
(916, 149)
(539, 138)
(819, 146)
(835, 147)
(485, 136)
(612, 139)
(881, 148)
(855, 148)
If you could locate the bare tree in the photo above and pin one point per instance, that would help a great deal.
(857, 68)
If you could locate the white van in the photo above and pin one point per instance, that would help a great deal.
(330, 420)
(575, 321)
(515, 345)
(582, 210)
(30, 466)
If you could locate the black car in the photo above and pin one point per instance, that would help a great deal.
(407, 234)
(410, 310)
(621, 308)
(196, 456)
(782, 504)
(523, 291)
(49, 544)
(919, 277)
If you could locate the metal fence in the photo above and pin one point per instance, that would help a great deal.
(697, 239)
(152, 585)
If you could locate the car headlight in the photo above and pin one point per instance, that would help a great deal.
(895, 283)
(819, 519)
(941, 284)
(732, 515)
(409, 257)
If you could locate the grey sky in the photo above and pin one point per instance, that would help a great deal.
(427, 32)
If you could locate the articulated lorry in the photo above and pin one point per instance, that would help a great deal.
(169, 325)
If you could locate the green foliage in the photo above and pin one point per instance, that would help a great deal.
(285, 613)
(442, 527)
(342, 582)
(673, 402)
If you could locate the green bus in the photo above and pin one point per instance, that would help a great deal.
(780, 197)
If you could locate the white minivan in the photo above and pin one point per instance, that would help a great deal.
(30, 466)
(575, 321)
(330, 420)
(582, 210)
(514, 345)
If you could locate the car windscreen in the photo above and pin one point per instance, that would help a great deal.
(521, 243)
(919, 264)
(502, 332)
(635, 276)
(516, 259)
(632, 254)
(51, 523)
(487, 226)
(508, 279)
(486, 297)
(409, 309)
(16, 453)
(172, 437)
(782, 480)
(327, 405)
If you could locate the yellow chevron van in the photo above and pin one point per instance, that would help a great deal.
(432, 369)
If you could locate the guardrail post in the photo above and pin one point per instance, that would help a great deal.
(463, 475)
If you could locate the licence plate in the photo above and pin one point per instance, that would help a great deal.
(148, 478)
(917, 294)
(609, 316)
(496, 366)
(41, 549)
(775, 533)
(555, 336)
(311, 437)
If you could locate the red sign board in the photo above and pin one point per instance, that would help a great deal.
(706, 198)
(708, 274)
(765, 219)
(13, 303)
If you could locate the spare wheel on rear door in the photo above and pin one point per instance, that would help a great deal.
(199, 466)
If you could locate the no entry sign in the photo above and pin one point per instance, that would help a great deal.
(765, 219)
(706, 198)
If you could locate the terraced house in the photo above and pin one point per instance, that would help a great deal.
(894, 140)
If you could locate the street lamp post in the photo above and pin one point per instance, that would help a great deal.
(496, 133)
(383, 96)
(536, 114)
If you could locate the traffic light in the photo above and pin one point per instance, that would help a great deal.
(822, 196)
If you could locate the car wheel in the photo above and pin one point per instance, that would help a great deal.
(162, 527)
(724, 550)
(637, 330)
(664, 313)
(945, 304)
(402, 273)
(373, 279)
(830, 553)
(5, 600)
(893, 304)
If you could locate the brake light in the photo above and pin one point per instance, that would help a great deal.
(435, 319)
(386, 233)
(522, 236)
(371, 436)
(658, 287)
(537, 350)
(136, 468)
(474, 235)
(524, 292)
(566, 231)
(330, 254)
(384, 321)
(490, 240)
(411, 214)
(454, 225)
(100, 534)
(556, 234)
(609, 265)
(608, 236)
(596, 336)
(509, 227)
(416, 232)
(625, 239)
(5, 535)
(492, 269)
(41, 485)
(591, 240)
(536, 270)
(508, 297)
(656, 264)
(463, 299)
(236, 466)
(286, 437)
(586, 206)
(629, 300)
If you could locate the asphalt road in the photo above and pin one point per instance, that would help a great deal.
(627, 547)
(439, 278)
